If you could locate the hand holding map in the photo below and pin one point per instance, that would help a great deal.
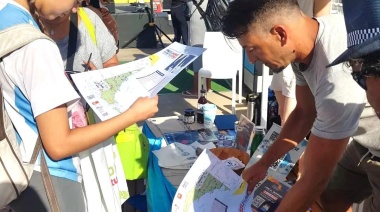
(146, 107)
(113, 90)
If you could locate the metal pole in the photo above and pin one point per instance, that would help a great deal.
(264, 97)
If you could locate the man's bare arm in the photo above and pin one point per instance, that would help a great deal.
(314, 179)
(296, 127)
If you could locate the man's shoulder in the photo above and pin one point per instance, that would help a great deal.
(332, 18)
(332, 38)
(333, 24)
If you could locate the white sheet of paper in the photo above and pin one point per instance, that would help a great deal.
(234, 163)
(176, 155)
(210, 185)
(208, 145)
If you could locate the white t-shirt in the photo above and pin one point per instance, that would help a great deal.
(307, 7)
(339, 100)
(33, 82)
(285, 81)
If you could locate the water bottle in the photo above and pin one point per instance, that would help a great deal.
(251, 104)
(257, 138)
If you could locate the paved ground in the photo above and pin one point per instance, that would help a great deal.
(130, 54)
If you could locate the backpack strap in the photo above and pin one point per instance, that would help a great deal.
(88, 23)
(3, 135)
(9, 43)
(72, 46)
(48, 184)
(26, 33)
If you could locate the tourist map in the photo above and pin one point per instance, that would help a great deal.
(212, 186)
(111, 91)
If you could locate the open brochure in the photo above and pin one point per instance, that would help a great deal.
(113, 90)
(281, 168)
(190, 136)
(210, 185)
(268, 195)
(244, 134)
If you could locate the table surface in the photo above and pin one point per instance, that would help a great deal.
(160, 191)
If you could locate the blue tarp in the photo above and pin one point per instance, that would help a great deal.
(160, 192)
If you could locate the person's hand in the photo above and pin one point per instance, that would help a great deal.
(144, 108)
(254, 175)
(91, 65)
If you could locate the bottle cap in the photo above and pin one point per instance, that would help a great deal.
(252, 97)
(260, 128)
(189, 111)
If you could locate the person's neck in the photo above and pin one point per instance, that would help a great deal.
(56, 30)
(24, 4)
(306, 40)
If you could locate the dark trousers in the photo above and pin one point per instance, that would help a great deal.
(181, 30)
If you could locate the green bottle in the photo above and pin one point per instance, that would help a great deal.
(257, 138)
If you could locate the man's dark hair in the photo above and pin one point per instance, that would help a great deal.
(241, 14)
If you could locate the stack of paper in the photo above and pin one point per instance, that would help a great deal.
(170, 124)
(178, 155)
(176, 159)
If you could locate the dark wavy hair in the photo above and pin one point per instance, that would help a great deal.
(241, 14)
(369, 64)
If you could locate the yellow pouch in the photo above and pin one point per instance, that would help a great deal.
(133, 148)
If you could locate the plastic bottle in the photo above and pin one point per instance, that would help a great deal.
(201, 101)
(257, 138)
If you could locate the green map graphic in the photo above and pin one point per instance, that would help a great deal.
(206, 184)
(114, 84)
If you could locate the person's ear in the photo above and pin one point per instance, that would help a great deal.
(280, 33)
(75, 8)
